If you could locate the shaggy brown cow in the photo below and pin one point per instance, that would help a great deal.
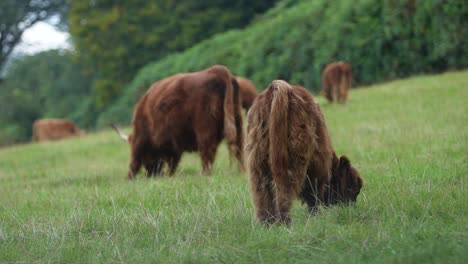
(247, 92)
(186, 112)
(336, 81)
(54, 129)
(289, 153)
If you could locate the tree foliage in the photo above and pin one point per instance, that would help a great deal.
(47, 84)
(116, 38)
(294, 42)
(18, 15)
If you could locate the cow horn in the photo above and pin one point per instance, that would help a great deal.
(121, 135)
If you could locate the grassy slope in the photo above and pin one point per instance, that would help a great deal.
(69, 202)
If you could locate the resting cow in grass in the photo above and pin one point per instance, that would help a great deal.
(54, 129)
(186, 112)
(247, 92)
(336, 82)
(290, 154)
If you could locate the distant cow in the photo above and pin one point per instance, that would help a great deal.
(290, 154)
(186, 112)
(336, 81)
(54, 129)
(247, 92)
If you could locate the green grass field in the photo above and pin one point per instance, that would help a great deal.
(69, 201)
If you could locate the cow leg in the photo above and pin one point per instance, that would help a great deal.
(173, 162)
(261, 184)
(135, 165)
(334, 93)
(136, 158)
(240, 141)
(343, 90)
(208, 153)
(327, 94)
(284, 198)
(154, 167)
(345, 96)
(326, 88)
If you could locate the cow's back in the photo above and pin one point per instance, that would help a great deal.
(332, 73)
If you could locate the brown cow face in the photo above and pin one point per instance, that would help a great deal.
(346, 183)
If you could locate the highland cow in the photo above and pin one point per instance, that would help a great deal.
(336, 82)
(186, 112)
(247, 92)
(54, 129)
(289, 153)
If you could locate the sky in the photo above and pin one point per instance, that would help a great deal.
(42, 36)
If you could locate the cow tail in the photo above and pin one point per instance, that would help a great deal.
(232, 120)
(278, 130)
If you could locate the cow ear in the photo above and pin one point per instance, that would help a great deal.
(344, 161)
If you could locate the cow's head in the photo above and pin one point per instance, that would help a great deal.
(345, 183)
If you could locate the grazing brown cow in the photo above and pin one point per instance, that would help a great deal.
(336, 81)
(247, 92)
(289, 153)
(54, 129)
(186, 112)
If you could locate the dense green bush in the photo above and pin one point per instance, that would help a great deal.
(116, 38)
(381, 39)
